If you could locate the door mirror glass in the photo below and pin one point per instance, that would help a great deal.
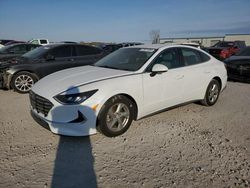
(159, 68)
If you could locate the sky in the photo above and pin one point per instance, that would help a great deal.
(121, 20)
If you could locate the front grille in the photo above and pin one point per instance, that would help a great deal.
(40, 104)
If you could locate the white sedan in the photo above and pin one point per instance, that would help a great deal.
(126, 85)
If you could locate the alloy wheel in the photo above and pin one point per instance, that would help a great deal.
(117, 117)
(24, 82)
(213, 93)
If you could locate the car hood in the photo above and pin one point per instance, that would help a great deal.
(60, 81)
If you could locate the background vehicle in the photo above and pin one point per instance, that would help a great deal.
(39, 41)
(193, 44)
(108, 48)
(126, 85)
(4, 41)
(127, 44)
(12, 51)
(68, 42)
(14, 42)
(45, 60)
(1, 45)
(238, 66)
(225, 49)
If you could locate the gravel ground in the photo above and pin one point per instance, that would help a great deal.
(189, 146)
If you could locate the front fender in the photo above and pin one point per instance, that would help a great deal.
(130, 86)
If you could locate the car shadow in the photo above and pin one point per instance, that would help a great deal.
(74, 162)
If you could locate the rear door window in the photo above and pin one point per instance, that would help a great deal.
(191, 56)
(61, 51)
(204, 57)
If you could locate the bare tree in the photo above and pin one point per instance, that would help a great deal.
(155, 36)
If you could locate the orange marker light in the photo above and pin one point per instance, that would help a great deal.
(95, 107)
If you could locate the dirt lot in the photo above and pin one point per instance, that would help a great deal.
(189, 146)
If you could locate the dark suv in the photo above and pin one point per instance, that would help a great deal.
(45, 60)
(225, 49)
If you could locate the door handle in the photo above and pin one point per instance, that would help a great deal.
(206, 71)
(179, 77)
(71, 59)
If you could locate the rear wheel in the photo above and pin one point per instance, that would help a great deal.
(212, 93)
(22, 82)
(116, 116)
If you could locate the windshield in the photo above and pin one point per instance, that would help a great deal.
(244, 52)
(224, 44)
(130, 59)
(36, 53)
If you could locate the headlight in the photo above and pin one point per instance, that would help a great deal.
(76, 98)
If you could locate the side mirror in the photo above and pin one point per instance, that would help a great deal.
(49, 57)
(158, 69)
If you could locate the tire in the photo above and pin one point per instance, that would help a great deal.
(22, 82)
(116, 116)
(212, 93)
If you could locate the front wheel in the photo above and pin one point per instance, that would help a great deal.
(116, 116)
(22, 82)
(212, 93)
